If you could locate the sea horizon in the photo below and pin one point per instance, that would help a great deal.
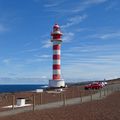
(10, 88)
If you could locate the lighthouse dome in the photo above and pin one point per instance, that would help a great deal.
(56, 26)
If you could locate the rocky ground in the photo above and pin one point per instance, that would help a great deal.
(105, 109)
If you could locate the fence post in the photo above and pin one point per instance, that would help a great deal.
(100, 93)
(91, 95)
(111, 90)
(78, 90)
(80, 96)
(33, 101)
(13, 101)
(104, 91)
(118, 89)
(64, 99)
(41, 98)
(107, 91)
(73, 92)
(60, 96)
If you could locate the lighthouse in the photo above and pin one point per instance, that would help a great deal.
(56, 39)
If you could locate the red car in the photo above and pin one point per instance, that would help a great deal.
(93, 86)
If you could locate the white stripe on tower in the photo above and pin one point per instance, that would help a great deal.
(56, 72)
(56, 52)
(56, 62)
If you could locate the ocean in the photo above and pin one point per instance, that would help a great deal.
(20, 88)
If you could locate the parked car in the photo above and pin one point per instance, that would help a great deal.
(87, 86)
(103, 83)
(95, 85)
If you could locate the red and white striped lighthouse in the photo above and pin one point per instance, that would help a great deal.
(56, 39)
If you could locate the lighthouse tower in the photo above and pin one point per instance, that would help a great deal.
(56, 40)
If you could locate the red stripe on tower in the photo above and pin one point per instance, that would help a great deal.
(56, 77)
(56, 66)
(56, 47)
(56, 57)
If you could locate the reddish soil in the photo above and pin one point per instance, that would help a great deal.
(71, 92)
(114, 81)
(106, 109)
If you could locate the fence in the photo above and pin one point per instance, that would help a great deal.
(71, 95)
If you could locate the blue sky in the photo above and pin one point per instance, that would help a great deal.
(91, 40)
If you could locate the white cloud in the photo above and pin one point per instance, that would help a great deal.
(82, 30)
(43, 56)
(53, 3)
(112, 5)
(105, 36)
(3, 28)
(96, 59)
(27, 44)
(6, 61)
(12, 74)
(36, 1)
(75, 7)
(94, 1)
(47, 44)
(44, 77)
(84, 50)
(114, 58)
(68, 37)
(89, 64)
(31, 50)
(86, 4)
(34, 60)
(74, 20)
(38, 58)
(94, 69)
(110, 35)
